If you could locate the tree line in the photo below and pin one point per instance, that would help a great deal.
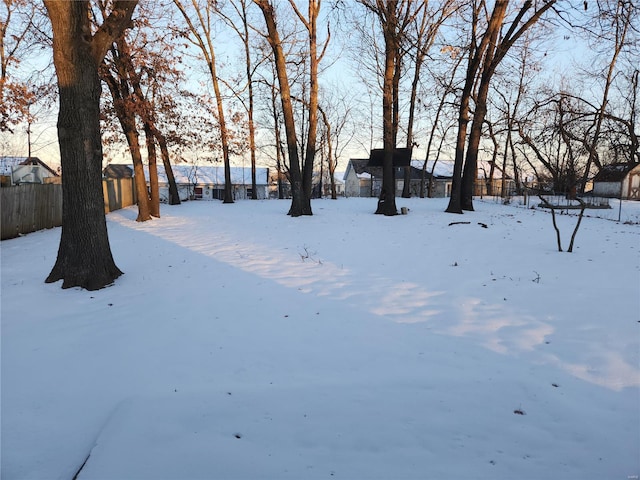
(230, 79)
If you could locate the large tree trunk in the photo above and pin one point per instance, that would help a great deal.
(470, 172)
(84, 255)
(496, 43)
(387, 200)
(475, 57)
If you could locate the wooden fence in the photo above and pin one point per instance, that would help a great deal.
(118, 193)
(30, 207)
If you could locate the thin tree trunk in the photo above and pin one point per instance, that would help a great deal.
(330, 162)
(154, 205)
(224, 134)
(174, 196)
(312, 132)
(295, 175)
(252, 139)
(204, 42)
(406, 189)
(121, 95)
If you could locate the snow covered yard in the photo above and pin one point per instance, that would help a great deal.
(242, 343)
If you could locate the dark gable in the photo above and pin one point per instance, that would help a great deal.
(401, 157)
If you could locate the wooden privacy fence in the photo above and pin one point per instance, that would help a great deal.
(31, 207)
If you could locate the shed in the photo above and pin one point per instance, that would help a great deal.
(619, 180)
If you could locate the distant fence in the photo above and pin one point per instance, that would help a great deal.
(31, 207)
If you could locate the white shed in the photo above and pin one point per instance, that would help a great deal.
(620, 180)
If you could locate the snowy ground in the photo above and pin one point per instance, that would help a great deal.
(242, 343)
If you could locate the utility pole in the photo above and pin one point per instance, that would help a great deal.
(29, 130)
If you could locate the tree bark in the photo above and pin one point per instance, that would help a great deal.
(154, 188)
(470, 170)
(496, 44)
(387, 200)
(475, 55)
(174, 196)
(84, 255)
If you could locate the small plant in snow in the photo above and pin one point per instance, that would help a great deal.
(307, 255)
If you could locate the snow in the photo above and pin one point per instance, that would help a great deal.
(242, 343)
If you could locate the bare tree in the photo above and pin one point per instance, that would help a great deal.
(445, 88)
(243, 29)
(310, 23)
(484, 58)
(118, 72)
(200, 23)
(300, 173)
(420, 39)
(18, 36)
(338, 134)
(280, 63)
(84, 256)
(395, 17)
(613, 20)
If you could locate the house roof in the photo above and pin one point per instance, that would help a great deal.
(443, 168)
(7, 164)
(362, 169)
(118, 171)
(204, 174)
(616, 172)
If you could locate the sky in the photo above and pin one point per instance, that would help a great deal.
(243, 343)
(563, 53)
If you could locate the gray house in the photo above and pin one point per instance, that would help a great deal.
(363, 180)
